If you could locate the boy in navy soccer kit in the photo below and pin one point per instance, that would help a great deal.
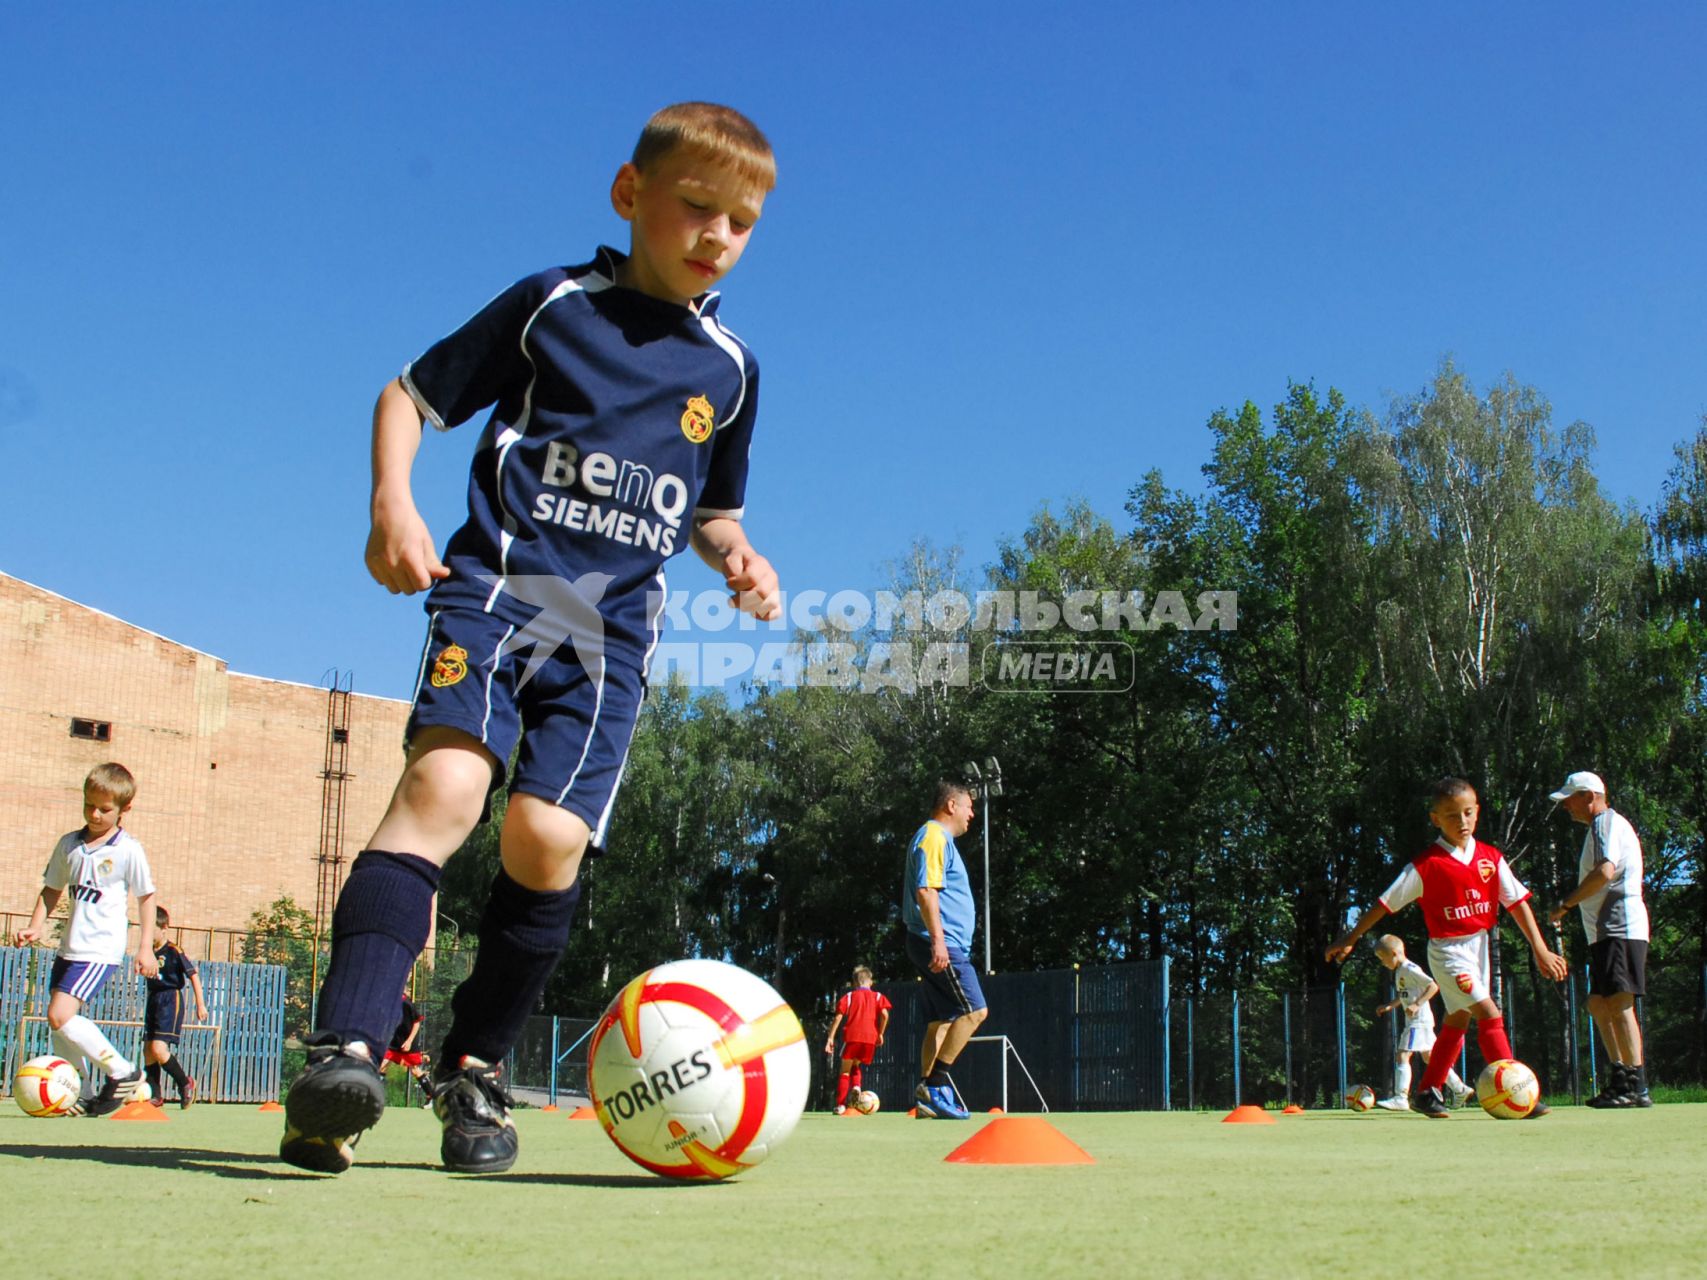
(1460, 883)
(622, 415)
(163, 1020)
(100, 865)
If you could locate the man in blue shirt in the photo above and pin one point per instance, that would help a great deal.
(938, 912)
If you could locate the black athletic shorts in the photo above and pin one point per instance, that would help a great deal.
(1618, 966)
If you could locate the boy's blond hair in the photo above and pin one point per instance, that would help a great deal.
(719, 133)
(1392, 944)
(113, 780)
(862, 974)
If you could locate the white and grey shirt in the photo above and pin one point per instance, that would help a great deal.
(1617, 911)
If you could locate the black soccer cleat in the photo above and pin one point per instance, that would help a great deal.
(119, 1090)
(187, 1094)
(1616, 1094)
(337, 1097)
(470, 1102)
(1538, 1110)
(1431, 1103)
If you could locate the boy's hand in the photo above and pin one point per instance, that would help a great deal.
(400, 552)
(753, 584)
(1552, 966)
(27, 935)
(147, 965)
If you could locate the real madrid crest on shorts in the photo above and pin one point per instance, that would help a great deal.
(698, 419)
(450, 666)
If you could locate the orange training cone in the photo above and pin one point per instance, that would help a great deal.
(997, 1111)
(1248, 1114)
(1019, 1140)
(139, 1111)
(1293, 1110)
(583, 1113)
(912, 1113)
(271, 1106)
(550, 1106)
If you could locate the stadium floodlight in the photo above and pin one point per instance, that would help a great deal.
(986, 782)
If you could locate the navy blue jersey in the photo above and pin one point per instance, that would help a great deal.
(619, 418)
(176, 970)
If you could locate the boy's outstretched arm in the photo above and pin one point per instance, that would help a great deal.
(1337, 953)
(753, 584)
(1551, 965)
(46, 901)
(400, 553)
(146, 964)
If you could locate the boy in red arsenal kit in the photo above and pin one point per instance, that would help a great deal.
(1461, 884)
(867, 1015)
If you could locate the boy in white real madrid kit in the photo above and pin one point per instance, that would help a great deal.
(1413, 989)
(100, 865)
(1460, 883)
(622, 413)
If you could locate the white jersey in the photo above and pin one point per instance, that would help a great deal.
(1617, 911)
(1411, 982)
(100, 881)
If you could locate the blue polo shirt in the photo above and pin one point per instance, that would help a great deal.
(933, 862)
(617, 419)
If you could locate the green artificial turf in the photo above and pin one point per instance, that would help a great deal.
(1579, 1193)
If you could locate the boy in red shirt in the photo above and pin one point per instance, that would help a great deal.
(1461, 884)
(867, 1015)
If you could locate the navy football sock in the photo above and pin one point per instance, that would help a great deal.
(378, 929)
(522, 936)
(175, 1069)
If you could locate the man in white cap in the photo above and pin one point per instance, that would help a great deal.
(1609, 897)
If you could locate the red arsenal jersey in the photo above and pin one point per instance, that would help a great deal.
(860, 1008)
(1460, 896)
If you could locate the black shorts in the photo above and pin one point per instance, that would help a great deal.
(1618, 966)
(164, 1019)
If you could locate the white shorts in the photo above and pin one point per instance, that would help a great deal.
(1459, 967)
(1417, 1036)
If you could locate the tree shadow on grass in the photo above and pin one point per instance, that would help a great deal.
(242, 1165)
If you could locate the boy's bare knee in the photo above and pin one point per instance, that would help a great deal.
(542, 844)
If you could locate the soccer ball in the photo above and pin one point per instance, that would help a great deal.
(698, 1069)
(46, 1086)
(1360, 1097)
(1507, 1090)
(867, 1102)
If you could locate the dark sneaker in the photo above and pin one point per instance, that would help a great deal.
(1538, 1110)
(337, 1097)
(187, 1094)
(479, 1136)
(1616, 1093)
(943, 1102)
(1431, 1103)
(119, 1090)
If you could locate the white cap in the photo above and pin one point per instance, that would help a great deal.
(1582, 781)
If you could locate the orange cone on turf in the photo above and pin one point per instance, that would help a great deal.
(1293, 1110)
(1019, 1140)
(271, 1106)
(550, 1106)
(997, 1111)
(139, 1110)
(912, 1113)
(1248, 1114)
(583, 1113)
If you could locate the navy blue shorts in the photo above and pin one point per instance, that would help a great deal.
(164, 1018)
(488, 678)
(952, 993)
(81, 978)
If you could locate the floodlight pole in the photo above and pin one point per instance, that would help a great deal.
(987, 782)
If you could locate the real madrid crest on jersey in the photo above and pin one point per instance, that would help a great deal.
(105, 869)
(698, 419)
(450, 666)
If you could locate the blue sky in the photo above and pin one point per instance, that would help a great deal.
(1017, 255)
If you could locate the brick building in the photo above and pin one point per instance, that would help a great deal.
(229, 767)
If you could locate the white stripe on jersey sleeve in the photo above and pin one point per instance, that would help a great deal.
(735, 349)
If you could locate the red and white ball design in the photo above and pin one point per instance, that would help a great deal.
(1507, 1089)
(698, 1069)
(866, 1102)
(1360, 1097)
(46, 1086)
